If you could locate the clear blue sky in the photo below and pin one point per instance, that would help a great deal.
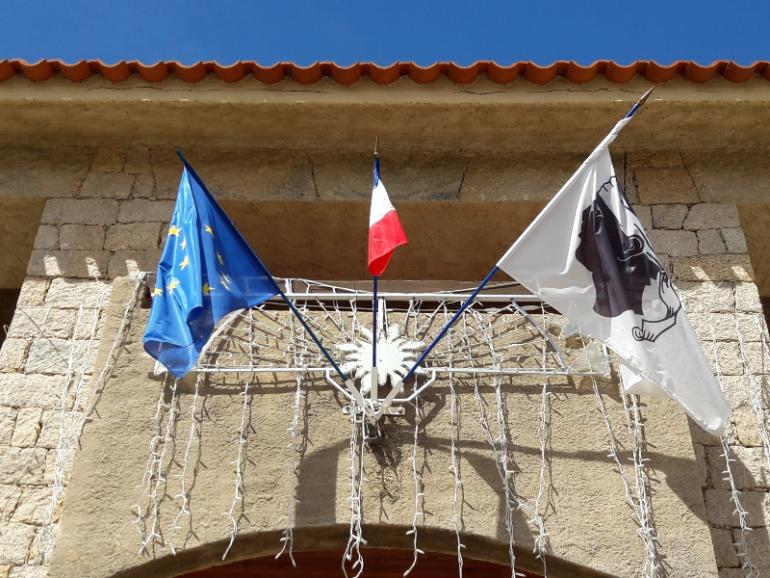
(384, 31)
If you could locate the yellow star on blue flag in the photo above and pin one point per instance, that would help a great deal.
(185, 305)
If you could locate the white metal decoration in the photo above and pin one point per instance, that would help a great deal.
(504, 333)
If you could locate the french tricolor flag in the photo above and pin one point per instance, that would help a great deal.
(385, 231)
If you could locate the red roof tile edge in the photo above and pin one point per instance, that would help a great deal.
(346, 75)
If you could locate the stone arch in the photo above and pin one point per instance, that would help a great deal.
(327, 540)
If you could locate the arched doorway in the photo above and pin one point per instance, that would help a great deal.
(379, 563)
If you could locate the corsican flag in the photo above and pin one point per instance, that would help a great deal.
(587, 255)
(385, 231)
(206, 271)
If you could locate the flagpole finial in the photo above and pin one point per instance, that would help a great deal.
(180, 154)
(646, 95)
(638, 104)
(377, 147)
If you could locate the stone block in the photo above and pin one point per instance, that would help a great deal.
(249, 175)
(747, 298)
(739, 177)
(50, 356)
(32, 291)
(710, 242)
(420, 177)
(724, 548)
(668, 216)
(89, 237)
(13, 354)
(656, 159)
(144, 186)
(109, 160)
(49, 433)
(9, 499)
(107, 185)
(731, 573)
(665, 185)
(28, 390)
(68, 293)
(134, 236)
(27, 173)
(713, 268)
(735, 240)
(729, 357)
(759, 548)
(33, 505)
(22, 465)
(27, 428)
(15, 540)
(124, 263)
(674, 243)
(7, 423)
(735, 389)
(29, 322)
(81, 264)
(145, 211)
(64, 458)
(712, 216)
(80, 211)
(498, 178)
(708, 326)
(700, 297)
(748, 466)
(745, 425)
(720, 509)
(751, 326)
(47, 237)
(645, 216)
(138, 159)
(29, 571)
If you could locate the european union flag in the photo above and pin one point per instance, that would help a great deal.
(207, 270)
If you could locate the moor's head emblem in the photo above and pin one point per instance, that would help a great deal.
(624, 268)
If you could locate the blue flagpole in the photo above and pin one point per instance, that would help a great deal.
(451, 322)
(374, 376)
(288, 302)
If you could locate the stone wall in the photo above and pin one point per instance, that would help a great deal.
(106, 217)
(706, 248)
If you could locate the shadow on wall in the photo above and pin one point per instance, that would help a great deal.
(328, 240)
(317, 499)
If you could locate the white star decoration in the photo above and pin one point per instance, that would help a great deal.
(395, 356)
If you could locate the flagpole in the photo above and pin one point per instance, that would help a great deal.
(604, 143)
(373, 375)
(288, 302)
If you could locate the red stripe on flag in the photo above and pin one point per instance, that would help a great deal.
(384, 236)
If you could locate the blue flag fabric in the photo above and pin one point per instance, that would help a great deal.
(206, 271)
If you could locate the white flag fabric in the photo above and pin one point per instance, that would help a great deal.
(588, 256)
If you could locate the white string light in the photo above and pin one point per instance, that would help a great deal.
(454, 468)
(757, 395)
(300, 354)
(652, 565)
(418, 489)
(184, 491)
(352, 553)
(238, 463)
(742, 545)
(71, 423)
(634, 501)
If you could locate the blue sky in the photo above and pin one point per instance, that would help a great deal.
(385, 31)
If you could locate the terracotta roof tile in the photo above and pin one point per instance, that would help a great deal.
(346, 75)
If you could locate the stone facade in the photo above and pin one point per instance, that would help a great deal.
(105, 216)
